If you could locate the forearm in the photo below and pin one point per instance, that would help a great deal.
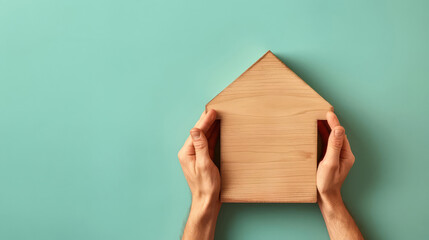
(339, 222)
(202, 220)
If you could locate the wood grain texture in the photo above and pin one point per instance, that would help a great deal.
(268, 135)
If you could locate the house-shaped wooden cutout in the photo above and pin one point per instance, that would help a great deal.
(268, 138)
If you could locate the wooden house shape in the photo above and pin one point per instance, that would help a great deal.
(268, 137)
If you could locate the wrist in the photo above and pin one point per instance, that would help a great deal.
(205, 208)
(330, 203)
(202, 218)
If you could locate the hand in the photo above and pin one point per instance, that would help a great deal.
(203, 177)
(336, 164)
(196, 159)
(331, 173)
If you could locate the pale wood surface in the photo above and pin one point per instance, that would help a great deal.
(268, 135)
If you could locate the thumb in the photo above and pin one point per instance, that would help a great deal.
(335, 143)
(200, 144)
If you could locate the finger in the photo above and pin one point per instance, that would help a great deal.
(332, 119)
(204, 123)
(201, 118)
(207, 121)
(335, 144)
(200, 143)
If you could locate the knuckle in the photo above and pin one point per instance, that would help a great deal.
(332, 149)
(332, 165)
(329, 164)
(352, 159)
(180, 155)
(204, 165)
(200, 144)
(337, 144)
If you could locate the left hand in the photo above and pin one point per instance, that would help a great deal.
(196, 157)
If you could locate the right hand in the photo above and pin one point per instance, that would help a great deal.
(336, 164)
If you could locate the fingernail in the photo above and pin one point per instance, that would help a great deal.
(195, 134)
(339, 132)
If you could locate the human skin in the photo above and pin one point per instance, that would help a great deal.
(331, 173)
(203, 179)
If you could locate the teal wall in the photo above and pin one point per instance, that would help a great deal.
(97, 97)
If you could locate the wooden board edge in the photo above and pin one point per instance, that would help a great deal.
(269, 51)
(231, 200)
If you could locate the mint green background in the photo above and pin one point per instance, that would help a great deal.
(97, 97)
